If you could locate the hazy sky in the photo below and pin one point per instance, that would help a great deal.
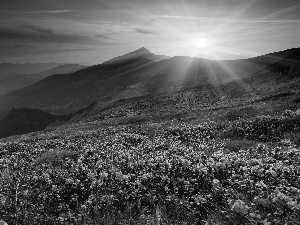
(93, 31)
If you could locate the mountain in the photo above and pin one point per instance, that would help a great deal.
(132, 78)
(25, 120)
(140, 89)
(271, 90)
(26, 68)
(13, 81)
(20, 121)
(217, 55)
(140, 53)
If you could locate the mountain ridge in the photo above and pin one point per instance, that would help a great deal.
(13, 81)
(26, 68)
(131, 78)
(139, 53)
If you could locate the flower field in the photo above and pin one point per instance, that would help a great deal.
(155, 173)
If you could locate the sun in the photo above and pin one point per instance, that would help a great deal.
(201, 43)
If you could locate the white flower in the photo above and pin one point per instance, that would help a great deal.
(91, 176)
(69, 181)
(259, 201)
(216, 183)
(240, 207)
(46, 176)
(2, 199)
(54, 187)
(103, 176)
(273, 173)
(119, 176)
(35, 177)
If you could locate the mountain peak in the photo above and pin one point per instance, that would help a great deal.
(142, 49)
(139, 53)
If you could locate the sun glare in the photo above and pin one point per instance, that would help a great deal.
(201, 43)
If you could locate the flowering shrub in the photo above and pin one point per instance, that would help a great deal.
(179, 174)
(265, 128)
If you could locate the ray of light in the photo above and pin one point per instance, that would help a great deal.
(236, 77)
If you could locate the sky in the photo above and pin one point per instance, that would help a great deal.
(93, 31)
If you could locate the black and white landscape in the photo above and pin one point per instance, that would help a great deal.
(131, 112)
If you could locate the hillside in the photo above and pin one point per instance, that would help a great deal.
(267, 93)
(26, 68)
(225, 170)
(139, 53)
(13, 81)
(20, 121)
(272, 90)
(130, 78)
(26, 120)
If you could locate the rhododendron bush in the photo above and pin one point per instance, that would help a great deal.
(179, 174)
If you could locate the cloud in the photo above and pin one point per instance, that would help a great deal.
(144, 31)
(227, 20)
(48, 11)
(32, 27)
(51, 6)
(102, 36)
(13, 47)
(176, 17)
(39, 35)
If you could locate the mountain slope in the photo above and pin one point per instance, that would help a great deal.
(20, 121)
(260, 94)
(140, 89)
(140, 53)
(131, 78)
(25, 120)
(278, 82)
(26, 68)
(13, 81)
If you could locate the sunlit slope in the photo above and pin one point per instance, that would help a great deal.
(132, 78)
(273, 88)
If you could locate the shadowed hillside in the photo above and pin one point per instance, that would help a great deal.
(20, 121)
(13, 81)
(25, 120)
(27, 68)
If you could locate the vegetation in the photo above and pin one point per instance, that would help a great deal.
(244, 171)
(218, 153)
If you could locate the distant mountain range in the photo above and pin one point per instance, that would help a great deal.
(12, 81)
(27, 68)
(126, 77)
(140, 82)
